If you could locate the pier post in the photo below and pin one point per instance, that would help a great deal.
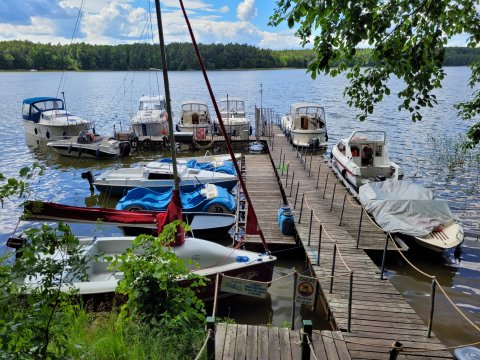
(395, 351)
(215, 298)
(296, 195)
(301, 209)
(333, 266)
(283, 164)
(318, 175)
(350, 299)
(310, 228)
(319, 244)
(286, 179)
(333, 196)
(305, 159)
(280, 160)
(291, 185)
(310, 167)
(325, 187)
(295, 275)
(432, 306)
(382, 269)
(359, 226)
(343, 208)
(306, 334)
(211, 338)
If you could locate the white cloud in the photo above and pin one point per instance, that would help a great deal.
(246, 10)
(224, 9)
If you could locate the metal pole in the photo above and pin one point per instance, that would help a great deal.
(359, 226)
(280, 160)
(350, 298)
(293, 298)
(325, 188)
(296, 195)
(211, 339)
(319, 244)
(215, 298)
(382, 269)
(310, 228)
(286, 179)
(333, 196)
(283, 163)
(333, 266)
(395, 351)
(307, 333)
(343, 208)
(310, 167)
(301, 209)
(318, 175)
(291, 185)
(432, 306)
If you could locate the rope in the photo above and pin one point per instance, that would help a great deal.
(209, 333)
(202, 147)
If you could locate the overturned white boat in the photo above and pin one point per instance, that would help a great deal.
(405, 208)
(363, 157)
(305, 125)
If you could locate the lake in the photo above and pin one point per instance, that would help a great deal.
(424, 149)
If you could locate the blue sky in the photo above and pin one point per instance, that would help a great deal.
(124, 21)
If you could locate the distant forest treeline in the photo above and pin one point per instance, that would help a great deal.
(16, 55)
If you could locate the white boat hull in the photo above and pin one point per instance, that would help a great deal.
(48, 131)
(308, 138)
(150, 128)
(447, 237)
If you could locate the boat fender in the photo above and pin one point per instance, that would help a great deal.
(380, 178)
(47, 134)
(97, 153)
(79, 151)
(326, 136)
(69, 148)
(241, 258)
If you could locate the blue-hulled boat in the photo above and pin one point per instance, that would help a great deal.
(209, 198)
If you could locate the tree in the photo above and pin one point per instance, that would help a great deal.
(407, 40)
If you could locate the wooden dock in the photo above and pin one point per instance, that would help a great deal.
(380, 316)
(249, 342)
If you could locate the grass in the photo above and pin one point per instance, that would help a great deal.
(106, 336)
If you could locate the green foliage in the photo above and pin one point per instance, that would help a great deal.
(15, 187)
(159, 285)
(407, 40)
(36, 313)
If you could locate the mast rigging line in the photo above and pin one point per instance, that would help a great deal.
(222, 126)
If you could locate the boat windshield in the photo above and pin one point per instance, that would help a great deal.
(194, 107)
(233, 105)
(151, 105)
(310, 110)
(368, 136)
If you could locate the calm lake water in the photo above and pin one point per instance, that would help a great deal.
(424, 149)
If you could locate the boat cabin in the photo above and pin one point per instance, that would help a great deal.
(152, 103)
(194, 112)
(366, 148)
(307, 116)
(232, 107)
(33, 108)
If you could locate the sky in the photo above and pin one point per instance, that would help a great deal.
(126, 21)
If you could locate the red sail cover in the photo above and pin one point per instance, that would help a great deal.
(174, 212)
(252, 223)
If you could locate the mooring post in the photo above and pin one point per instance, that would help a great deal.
(319, 244)
(432, 306)
(384, 256)
(286, 179)
(325, 188)
(296, 195)
(310, 167)
(333, 266)
(280, 160)
(305, 159)
(318, 175)
(211, 338)
(395, 351)
(296, 150)
(310, 228)
(215, 298)
(343, 208)
(295, 275)
(350, 299)
(301, 209)
(333, 196)
(359, 226)
(306, 335)
(291, 185)
(283, 164)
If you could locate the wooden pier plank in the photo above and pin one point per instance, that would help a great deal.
(252, 341)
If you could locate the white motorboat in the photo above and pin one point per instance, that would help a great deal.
(204, 258)
(158, 176)
(151, 117)
(401, 207)
(47, 117)
(235, 120)
(195, 118)
(90, 145)
(363, 158)
(305, 125)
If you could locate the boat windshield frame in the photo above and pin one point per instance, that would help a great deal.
(368, 136)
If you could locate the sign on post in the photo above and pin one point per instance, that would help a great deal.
(306, 290)
(244, 287)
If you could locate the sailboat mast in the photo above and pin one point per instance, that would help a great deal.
(167, 94)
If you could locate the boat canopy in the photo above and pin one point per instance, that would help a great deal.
(307, 108)
(233, 103)
(33, 107)
(368, 136)
(404, 207)
(194, 105)
(152, 103)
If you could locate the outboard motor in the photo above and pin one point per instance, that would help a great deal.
(380, 178)
(125, 148)
(88, 175)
